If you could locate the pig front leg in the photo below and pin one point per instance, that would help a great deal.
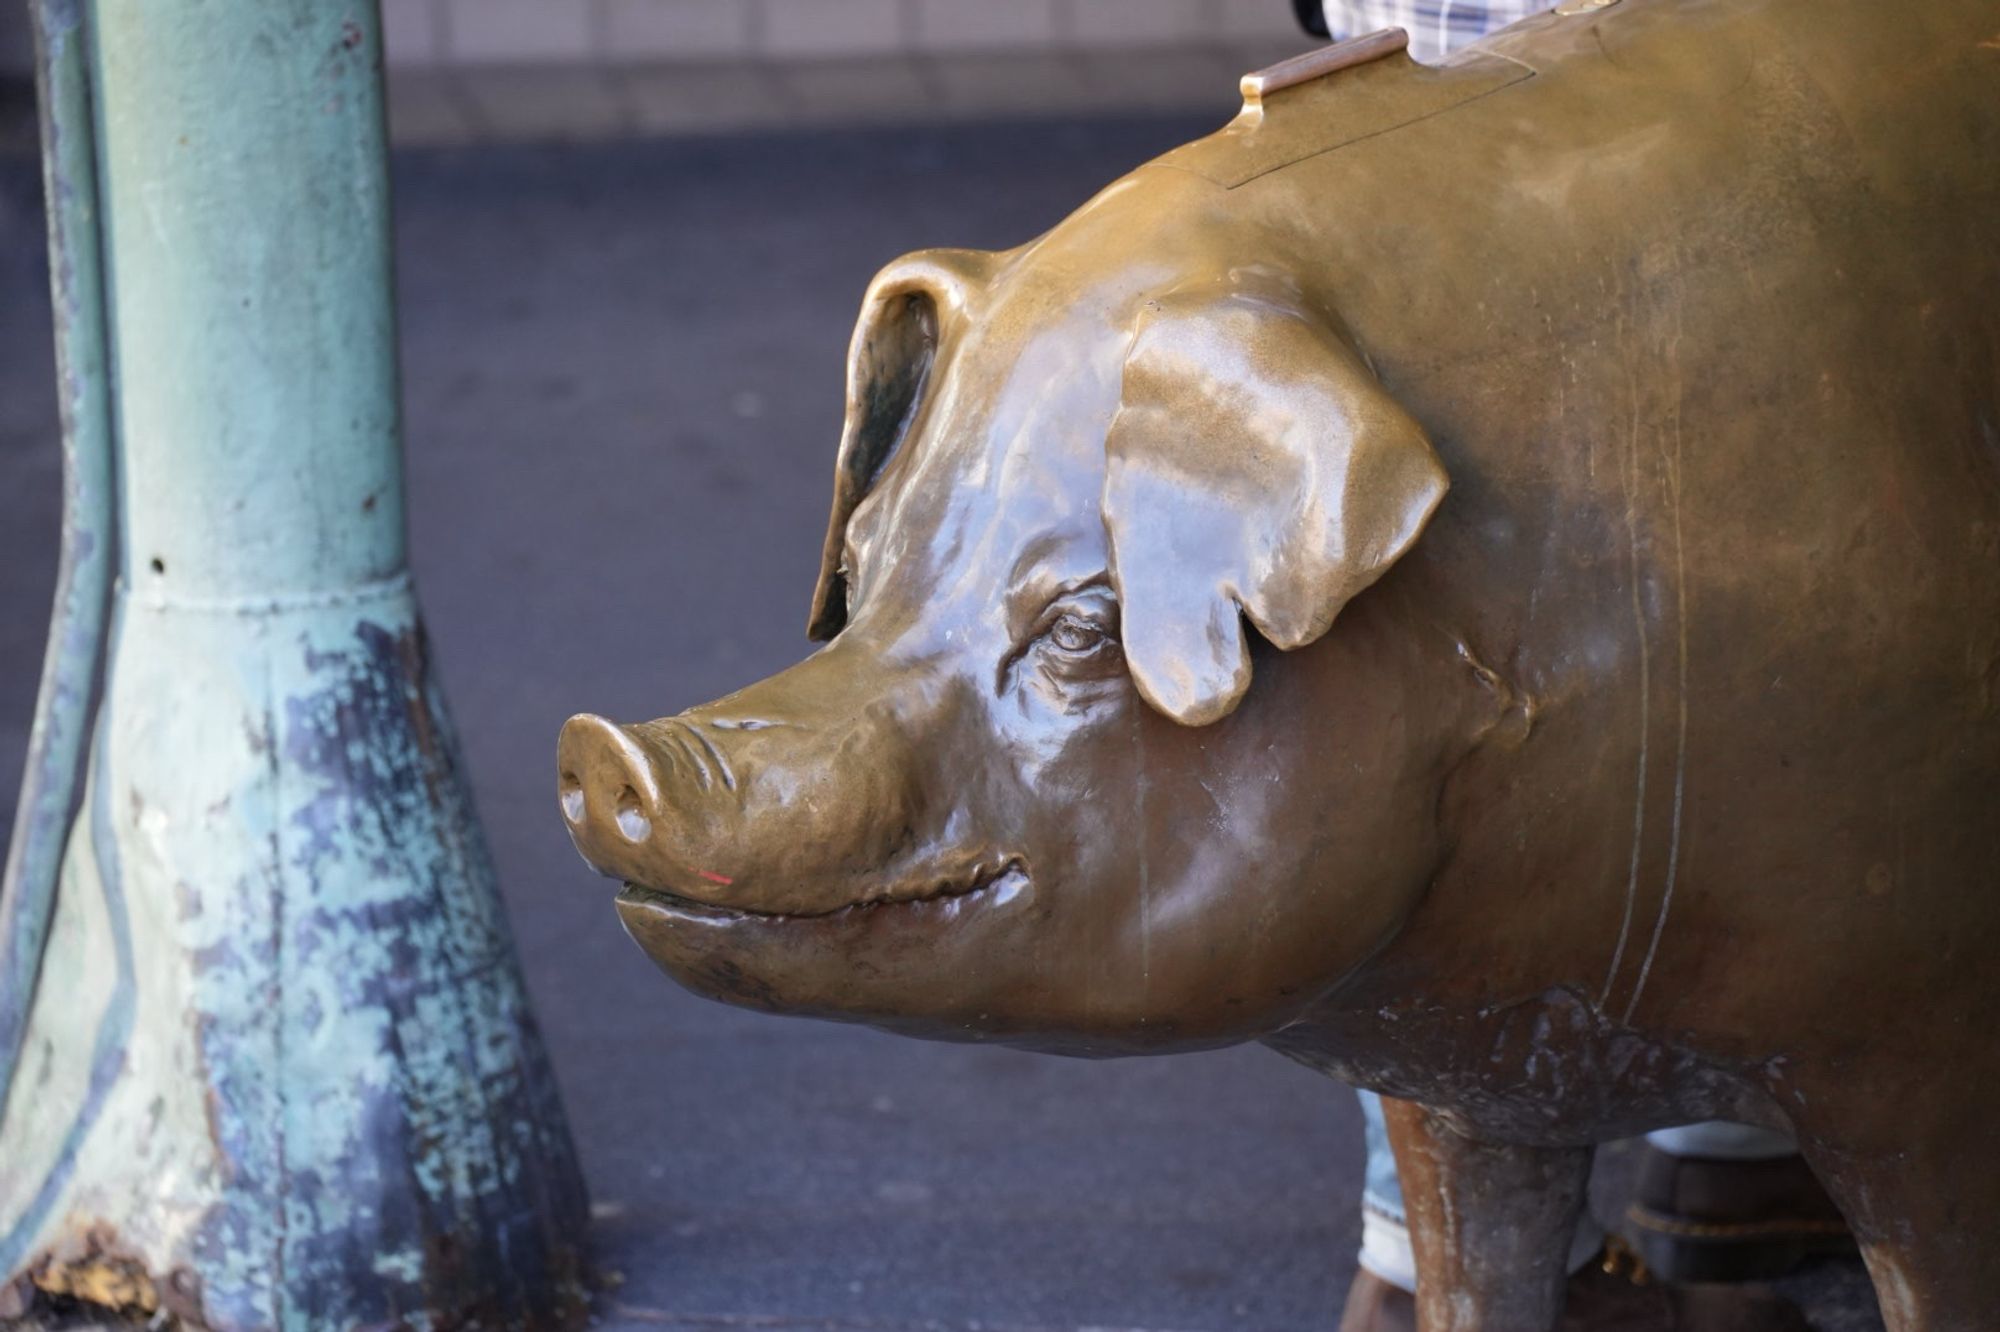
(1490, 1223)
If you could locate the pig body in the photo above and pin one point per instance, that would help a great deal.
(1644, 777)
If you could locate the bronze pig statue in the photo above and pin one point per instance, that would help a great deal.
(1647, 776)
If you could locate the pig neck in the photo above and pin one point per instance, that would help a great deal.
(1499, 999)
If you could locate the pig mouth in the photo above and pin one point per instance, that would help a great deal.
(1002, 882)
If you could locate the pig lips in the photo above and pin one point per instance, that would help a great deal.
(995, 887)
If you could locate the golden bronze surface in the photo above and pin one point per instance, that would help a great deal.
(1647, 775)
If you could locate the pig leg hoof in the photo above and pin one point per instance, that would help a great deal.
(1491, 1224)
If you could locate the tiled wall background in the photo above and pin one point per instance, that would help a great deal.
(507, 70)
(467, 71)
(471, 32)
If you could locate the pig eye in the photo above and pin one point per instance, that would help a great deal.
(1081, 640)
(1073, 643)
(1074, 634)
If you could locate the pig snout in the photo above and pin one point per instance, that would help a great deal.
(770, 816)
(612, 795)
(661, 804)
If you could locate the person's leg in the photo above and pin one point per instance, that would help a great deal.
(1382, 1297)
(1385, 1232)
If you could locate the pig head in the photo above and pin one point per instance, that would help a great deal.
(1026, 791)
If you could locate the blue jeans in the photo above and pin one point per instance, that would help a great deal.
(1381, 1188)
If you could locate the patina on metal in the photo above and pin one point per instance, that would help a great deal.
(279, 1069)
(1644, 776)
(54, 770)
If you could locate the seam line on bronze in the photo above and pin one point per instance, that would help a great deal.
(1526, 72)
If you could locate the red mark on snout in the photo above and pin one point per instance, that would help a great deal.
(712, 877)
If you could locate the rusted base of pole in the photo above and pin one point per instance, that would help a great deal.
(281, 1071)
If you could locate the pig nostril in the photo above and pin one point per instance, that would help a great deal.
(572, 798)
(632, 820)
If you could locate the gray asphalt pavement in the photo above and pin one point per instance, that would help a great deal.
(623, 373)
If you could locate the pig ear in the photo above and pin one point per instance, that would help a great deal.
(1256, 468)
(888, 365)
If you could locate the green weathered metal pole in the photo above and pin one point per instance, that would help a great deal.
(83, 580)
(280, 1070)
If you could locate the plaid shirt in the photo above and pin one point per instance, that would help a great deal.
(1436, 27)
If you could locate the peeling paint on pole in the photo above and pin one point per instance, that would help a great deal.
(280, 1071)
